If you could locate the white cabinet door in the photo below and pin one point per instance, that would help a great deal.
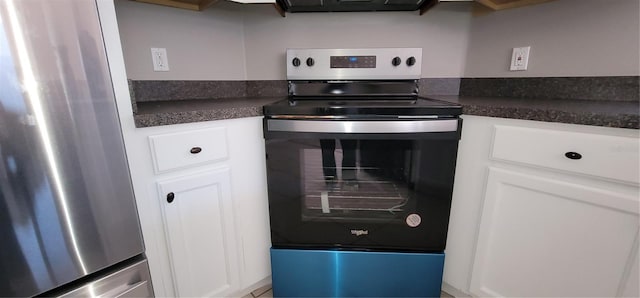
(200, 234)
(545, 237)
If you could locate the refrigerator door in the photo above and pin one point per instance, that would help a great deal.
(66, 200)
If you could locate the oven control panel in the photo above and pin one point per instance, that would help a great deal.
(354, 64)
(352, 61)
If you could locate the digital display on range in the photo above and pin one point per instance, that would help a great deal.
(353, 61)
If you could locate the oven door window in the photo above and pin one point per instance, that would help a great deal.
(357, 180)
(359, 192)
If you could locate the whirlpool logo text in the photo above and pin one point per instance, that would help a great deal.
(359, 232)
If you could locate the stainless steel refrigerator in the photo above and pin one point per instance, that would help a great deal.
(68, 219)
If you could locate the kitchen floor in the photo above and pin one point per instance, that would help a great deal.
(267, 292)
(263, 292)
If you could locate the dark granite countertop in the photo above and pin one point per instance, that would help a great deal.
(157, 113)
(622, 114)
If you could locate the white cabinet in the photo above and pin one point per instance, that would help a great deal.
(197, 212)
(550, 238)
(216, 229)
(527, 220)
(213, 239)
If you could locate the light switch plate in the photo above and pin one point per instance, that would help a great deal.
(520, 58)
(160, 60)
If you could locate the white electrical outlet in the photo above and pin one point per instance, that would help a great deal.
(160, 60)
(520, 58)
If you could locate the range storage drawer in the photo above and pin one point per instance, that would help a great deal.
(184, 149)
(604, 156)
(344, 273)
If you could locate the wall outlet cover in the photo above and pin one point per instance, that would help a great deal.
(520, 58)
(160, 60)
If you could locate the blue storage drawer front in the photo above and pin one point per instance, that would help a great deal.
(331, 273)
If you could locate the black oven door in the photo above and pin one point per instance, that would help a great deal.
(372, 185)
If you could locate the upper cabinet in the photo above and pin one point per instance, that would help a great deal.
(198, 5)
(504, 4)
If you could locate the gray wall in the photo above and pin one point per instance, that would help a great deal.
(567, 38)
(441, 32)
(237, 42)
(207, 45)
(216, 44)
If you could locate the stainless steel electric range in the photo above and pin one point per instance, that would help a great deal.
(360, 174)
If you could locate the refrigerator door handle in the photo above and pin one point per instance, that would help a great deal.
(132, 281)
(140, 289)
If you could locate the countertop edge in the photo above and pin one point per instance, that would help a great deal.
(616, 119)
(556, 116)
(170, 118)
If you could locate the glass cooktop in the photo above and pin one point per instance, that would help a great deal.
(336, 106)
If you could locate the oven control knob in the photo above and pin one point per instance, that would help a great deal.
(295, 62)
(396, 61)
(411, 61)
(310, 62)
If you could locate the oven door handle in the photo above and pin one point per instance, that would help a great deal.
(366, 127)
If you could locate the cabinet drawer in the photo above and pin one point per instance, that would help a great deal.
(183, 149)
(605, 156)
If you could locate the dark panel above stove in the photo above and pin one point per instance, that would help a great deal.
(300, 89)
(350, 5)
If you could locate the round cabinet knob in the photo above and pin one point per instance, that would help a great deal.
(411, 61)
(573, 155)
(310, 62)
(170, 197)
(195, 150)
(295, 62)
(396, 61)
